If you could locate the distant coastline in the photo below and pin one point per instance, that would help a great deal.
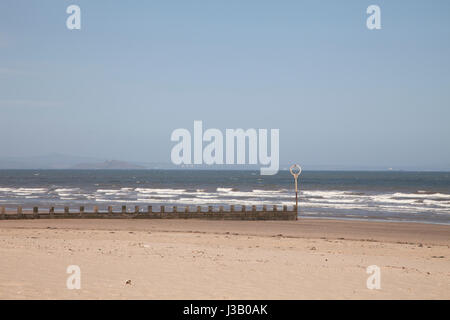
(67, 162)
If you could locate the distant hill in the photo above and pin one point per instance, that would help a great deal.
(110, 165)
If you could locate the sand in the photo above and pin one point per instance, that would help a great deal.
(196, 259)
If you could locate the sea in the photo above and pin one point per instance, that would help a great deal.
(367, 195)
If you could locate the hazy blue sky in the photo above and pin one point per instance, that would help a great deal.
(340, 94)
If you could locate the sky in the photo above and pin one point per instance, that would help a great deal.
(342, 96)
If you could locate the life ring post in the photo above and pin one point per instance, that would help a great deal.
(295, 170)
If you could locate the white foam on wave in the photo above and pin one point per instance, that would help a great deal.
(411, 209)
(29, 190)
(389, 202)
(337, 200)
(114, 192)
(224, 190)
(422, 195)
(197, 201)
(326, 194)
(411, 200)
(108, 190)
(64, 194)
(64, 190)
(207, 196)
(253, 194)
(445, 204)
(258, 191)
(160, 191)
(328, 205)
(151, 196)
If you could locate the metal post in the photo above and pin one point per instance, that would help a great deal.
(295, 171)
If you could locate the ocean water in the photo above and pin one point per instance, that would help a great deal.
(393, 196)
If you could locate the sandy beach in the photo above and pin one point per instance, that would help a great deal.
(196, 259)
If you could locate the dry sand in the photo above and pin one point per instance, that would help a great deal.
(195, 259)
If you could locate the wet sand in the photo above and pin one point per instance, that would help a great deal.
(198, 259)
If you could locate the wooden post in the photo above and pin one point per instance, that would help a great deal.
(136, 209)
(81, 210)
(110, 210)
(124, 209)
(199, 209)
(51, 211)
(232, 208)
(186, 210)
(253, 208)
(149, 209)
(285, 208)
(275, 208)
(163, 209)
(2, 212)
(175, 209)
(221, 209)
(19, 210)
(210, 209)
(243, 208)
(264, 208)
(95, 209)
(66, 210)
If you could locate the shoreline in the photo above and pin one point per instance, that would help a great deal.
(29, 211)
(376, 220)
(303, 228)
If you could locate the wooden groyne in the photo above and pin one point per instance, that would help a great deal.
(164, 212)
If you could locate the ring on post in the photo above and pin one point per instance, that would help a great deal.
(295, 170)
